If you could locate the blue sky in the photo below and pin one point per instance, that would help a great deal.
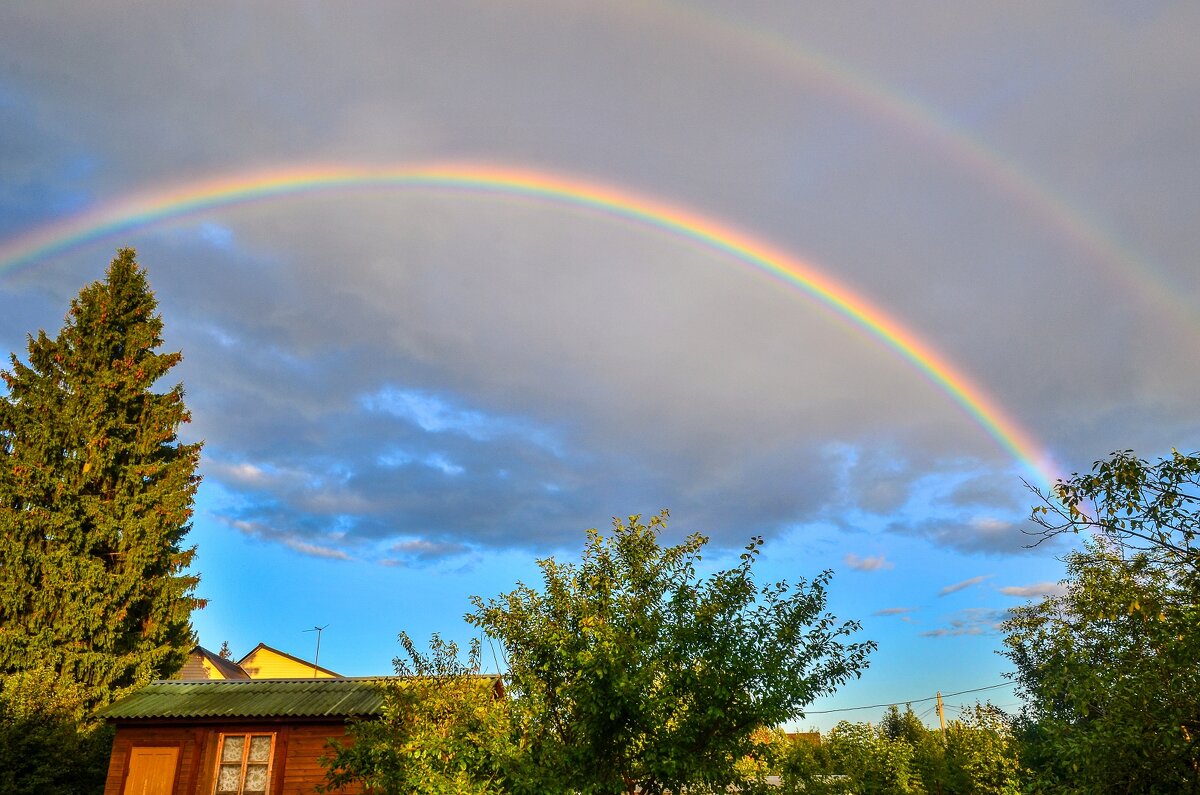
(408, 397)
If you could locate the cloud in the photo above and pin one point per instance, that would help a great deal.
(493, 371)
(1042, 589)
(869, 563)
(958, 586)
(894, 611)
(423, 550)
(971, 621)
(290, 540)
(316, 550)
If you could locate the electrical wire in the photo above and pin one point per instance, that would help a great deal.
(905, 701)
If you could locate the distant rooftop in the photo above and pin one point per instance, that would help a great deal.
(199, 662)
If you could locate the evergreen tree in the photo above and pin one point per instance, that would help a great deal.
(96, 494)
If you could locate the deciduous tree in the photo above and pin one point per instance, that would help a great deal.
(632, 672)
(96, 494)
(1136, 505)
(445, 730)
(1108, 672)
(1108, 669)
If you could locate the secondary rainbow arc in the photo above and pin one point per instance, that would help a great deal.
(151, 207)
(941, 133)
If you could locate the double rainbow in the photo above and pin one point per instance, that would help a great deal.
(136, 212)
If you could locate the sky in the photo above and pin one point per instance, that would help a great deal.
(456, 281)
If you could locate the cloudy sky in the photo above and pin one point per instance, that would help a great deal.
(408, 392)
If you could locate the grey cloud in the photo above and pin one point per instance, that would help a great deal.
(289, 539)
(586, 365)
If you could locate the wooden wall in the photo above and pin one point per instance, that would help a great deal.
(296, 769)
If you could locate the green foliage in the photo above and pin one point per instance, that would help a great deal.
(43, 747)
(1136, 505)
(1110, 678)
(872, 761)
(630, 671)
(445, 730)
(976, 755)
(95, 497)
(981, 754)
(1108, 670)
(808, 768)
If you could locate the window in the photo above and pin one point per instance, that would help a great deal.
(244, 766)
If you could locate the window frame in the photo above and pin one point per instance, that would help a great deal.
(247, 735)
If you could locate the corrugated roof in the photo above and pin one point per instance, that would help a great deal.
(254, 698)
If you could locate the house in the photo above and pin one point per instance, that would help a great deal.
(232, 736)
(203, 665)
(263, 662)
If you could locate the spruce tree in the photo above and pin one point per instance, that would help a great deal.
(96, 495)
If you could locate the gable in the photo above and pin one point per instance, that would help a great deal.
(264, 662)
(202, 664)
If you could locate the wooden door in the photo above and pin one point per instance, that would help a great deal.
(151, 771)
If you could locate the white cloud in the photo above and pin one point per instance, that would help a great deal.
(869, 563)
(972, 621)
(1034, 590)
(958, 586)
(316, 550)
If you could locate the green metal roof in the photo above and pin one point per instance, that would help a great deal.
(253, 698)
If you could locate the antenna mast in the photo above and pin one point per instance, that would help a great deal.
(317, 659)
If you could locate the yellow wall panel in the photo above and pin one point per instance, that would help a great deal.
(267, 663)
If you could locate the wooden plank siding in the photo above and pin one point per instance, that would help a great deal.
(295, 767)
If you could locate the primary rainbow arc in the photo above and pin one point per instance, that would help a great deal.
(136, 212)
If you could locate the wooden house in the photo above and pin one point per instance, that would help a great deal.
(232, 736)
(263, 662)
(203, 665)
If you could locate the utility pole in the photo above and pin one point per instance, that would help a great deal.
(941, 711)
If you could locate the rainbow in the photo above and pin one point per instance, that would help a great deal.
(946, 137)
(145, 209)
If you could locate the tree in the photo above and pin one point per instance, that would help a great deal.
(42, 746)
(631, 672)
(1108, 672)
(96, 494)
(975, 755)
(868, 760)
(444, 730)
(1108, 669)
(981, 754)
(1137, 506)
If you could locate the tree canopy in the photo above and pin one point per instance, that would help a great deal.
(96, 496)
(445, 729)
(1136, 505)
(1108, 670)
(975, 755)
(632, 672)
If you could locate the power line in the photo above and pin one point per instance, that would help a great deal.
(905, 701)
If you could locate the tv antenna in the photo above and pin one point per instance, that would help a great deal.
(318, 630)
